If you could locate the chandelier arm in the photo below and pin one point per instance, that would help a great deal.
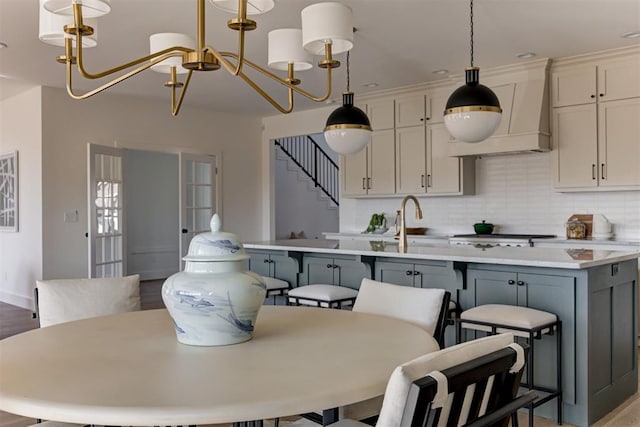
(283, 81)
(175, 107)
(108, 84)
(266, 96)
(176, 51)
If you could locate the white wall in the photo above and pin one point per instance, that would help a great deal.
(152, 213)
(107, 119)
(299, 205)
(21, 252)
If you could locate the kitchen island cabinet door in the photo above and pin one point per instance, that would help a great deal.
(277, 264)
(340, 271)
(397, 273)
(551, 293)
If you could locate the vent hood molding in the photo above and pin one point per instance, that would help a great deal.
(523, 93)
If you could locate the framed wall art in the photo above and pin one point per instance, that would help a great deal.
(9, 191)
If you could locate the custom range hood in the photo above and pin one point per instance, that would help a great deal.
(523, 93)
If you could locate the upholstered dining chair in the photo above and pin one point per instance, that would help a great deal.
(424, 307)
(467, 385)
(64, 300)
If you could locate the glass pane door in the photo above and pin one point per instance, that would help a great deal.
(197, 198)
(106, 209)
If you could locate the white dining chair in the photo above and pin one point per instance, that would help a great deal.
(424, 307)
(64, 300)
(475, 382)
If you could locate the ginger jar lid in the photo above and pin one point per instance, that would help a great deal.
(216, 245)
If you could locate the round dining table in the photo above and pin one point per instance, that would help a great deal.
(129, 369)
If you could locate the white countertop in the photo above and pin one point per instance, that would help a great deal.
(440, 250)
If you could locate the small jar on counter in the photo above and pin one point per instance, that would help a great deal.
(576, 230)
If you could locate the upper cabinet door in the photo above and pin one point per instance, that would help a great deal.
(573, 86)
(436, 102)
(410, 110)
(381, 114)
(619, 79)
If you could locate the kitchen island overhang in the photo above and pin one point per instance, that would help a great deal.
(593, 292)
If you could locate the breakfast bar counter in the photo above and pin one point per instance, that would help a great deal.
(593, 291)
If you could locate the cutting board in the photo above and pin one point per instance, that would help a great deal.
(586, 219)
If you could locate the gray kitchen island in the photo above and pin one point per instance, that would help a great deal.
(593, 292)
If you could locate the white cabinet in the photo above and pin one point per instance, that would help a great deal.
(608, 80)
(423, 164)
(596, 125)
(372, 170)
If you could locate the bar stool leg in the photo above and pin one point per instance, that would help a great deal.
(559, 369)
(530, 374)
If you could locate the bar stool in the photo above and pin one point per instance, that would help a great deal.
(275, 287)
(321, 295)
(525, 322)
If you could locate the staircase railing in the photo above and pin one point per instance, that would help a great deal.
(314, 162)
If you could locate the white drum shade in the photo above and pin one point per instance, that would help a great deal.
(327, 22)
(254, 7)
(160, 41)
(347, 141)
(472, 126)
(52, 29)
(90, 8)
(285, 47)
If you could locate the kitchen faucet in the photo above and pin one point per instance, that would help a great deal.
(402, 240)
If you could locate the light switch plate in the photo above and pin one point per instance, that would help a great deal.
(71, 216)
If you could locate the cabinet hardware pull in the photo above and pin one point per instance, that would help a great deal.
(593, 171)
(266, 261)
(336, 266)
(409, 272)
(429, 180)
(592, 96)
(602, 171)
(329, 266)
(602, 94)
(368, 183)
(511, 282)
(422, 180)
(520, 283)
(416, 273)
(363, 187)
(422, 119)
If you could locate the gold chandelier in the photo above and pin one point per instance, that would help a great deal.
(327, 30)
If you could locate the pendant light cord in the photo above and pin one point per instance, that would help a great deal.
(348, 74)
(471, 43)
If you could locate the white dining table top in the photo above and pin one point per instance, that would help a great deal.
(129, 369)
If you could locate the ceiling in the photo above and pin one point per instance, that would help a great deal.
(397, 43)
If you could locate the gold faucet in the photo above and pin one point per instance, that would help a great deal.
(402, 241)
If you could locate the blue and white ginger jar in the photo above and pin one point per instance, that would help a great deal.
(214, 301)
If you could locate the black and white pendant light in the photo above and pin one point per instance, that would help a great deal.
(473, 112)
(348, 129)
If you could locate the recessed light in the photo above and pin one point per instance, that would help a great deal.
(440, 71)
(3, 45)
(370, 85)
(526, 55)
(631, 35)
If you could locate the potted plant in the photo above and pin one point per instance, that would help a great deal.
(377, 224)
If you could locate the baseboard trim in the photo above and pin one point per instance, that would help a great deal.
(17, 300)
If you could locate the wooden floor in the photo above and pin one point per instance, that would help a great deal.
(15, 320)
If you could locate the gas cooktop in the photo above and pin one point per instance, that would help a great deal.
(507, 236)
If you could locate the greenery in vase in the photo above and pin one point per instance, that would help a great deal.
(378, 220)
